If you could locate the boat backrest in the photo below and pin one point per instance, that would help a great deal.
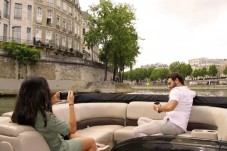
(14, 137)
(92, 114)
(141, 109)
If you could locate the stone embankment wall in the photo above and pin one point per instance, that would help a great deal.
(62, 74)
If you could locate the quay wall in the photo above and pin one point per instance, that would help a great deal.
(61, 73)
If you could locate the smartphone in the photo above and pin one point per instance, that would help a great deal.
(157, 103)
(63, 95)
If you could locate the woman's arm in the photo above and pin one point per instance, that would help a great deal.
(72, 116)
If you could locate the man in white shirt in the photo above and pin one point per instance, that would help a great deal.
(177, 110)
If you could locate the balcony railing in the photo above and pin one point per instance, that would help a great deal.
(17, 17)
(18, 40)
(49, 24)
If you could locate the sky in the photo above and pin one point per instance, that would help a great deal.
(177, 30)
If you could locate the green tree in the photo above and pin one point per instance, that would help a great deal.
(199, 72)
(196, 73)
(159, 74)
(225, 71)
(204, 72)
(22, 53)
(213, 70)
(111, 27)
(140, 74)
(149, 72)
(183, 69)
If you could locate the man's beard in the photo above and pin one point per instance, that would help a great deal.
(174, 85)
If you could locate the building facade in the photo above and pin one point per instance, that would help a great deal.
(55, 26)
(4, 19)
(156, 65)
(200, 63)
(89, 53)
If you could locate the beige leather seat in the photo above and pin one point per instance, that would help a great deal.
(6, 146)
(14, 137)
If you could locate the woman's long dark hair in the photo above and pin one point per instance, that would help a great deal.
(34, 95)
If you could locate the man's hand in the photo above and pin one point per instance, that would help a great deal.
(170, 106)
(156, 107)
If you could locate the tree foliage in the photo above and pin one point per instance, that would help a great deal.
(213, 70)
(112, 28)
(183, 69)
(225, 71)
(22, 53)
(159, 74)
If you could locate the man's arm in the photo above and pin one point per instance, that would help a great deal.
(170, 106)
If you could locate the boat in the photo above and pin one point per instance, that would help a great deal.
(110, 118)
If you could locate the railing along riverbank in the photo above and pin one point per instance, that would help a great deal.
(201, 90)
(195, 87)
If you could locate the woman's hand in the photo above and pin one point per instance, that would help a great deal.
(70, 97)
(55, 98)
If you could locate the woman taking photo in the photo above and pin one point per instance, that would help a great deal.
(34, 108)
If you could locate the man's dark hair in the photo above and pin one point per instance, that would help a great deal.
(175, 76)
(34, 96)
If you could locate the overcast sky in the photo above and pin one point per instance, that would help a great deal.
(178, 30)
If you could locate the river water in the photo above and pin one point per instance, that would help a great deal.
(7, 103)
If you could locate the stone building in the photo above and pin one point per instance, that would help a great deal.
(4, 19)
(55, 26)
(205, 62)
(89, 53)
(156, 65)
(223, 66)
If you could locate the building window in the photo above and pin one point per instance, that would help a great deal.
(5, 29)
(70, 25)
(64, 24)
(78, 47)
(18, 11)
(29, 13)
(38, 35)
(48, 37)
(58, 3)
(70, 43)
(75, 28)
(57, 40)
(63, 41)
(49, 17)
(70, 10)
(50, 1)
(39, 15)
(16, 33)
(58, 22)
(28, 33)
(29, 41)
(64, 6)
(6, 9)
